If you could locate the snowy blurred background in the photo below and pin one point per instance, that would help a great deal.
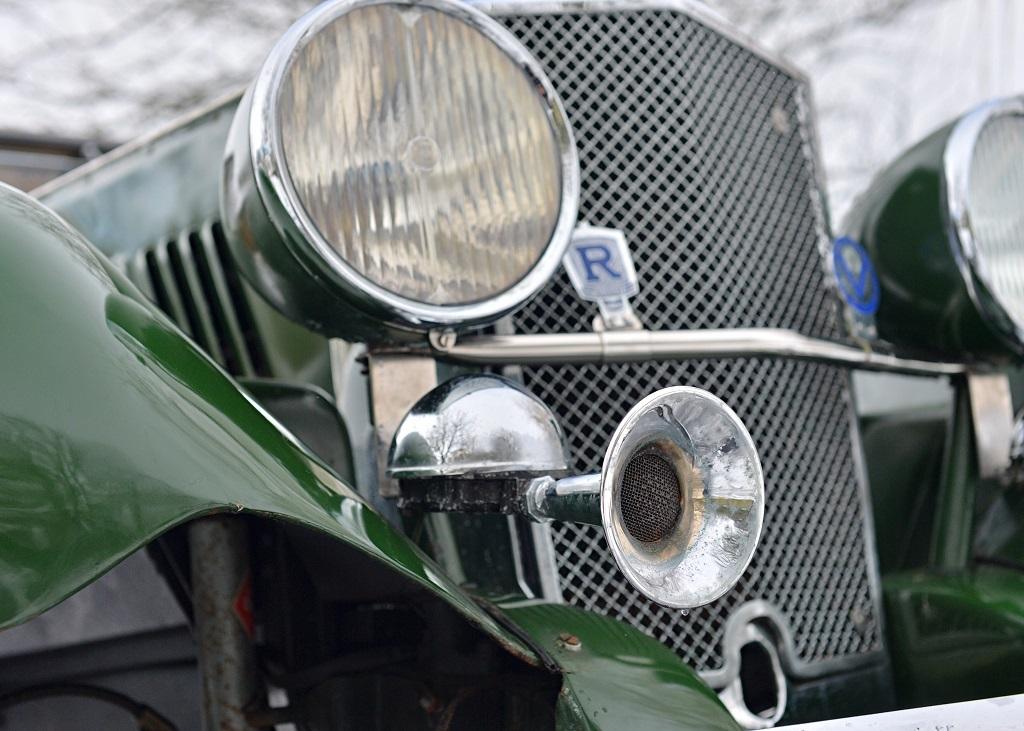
(884, 72)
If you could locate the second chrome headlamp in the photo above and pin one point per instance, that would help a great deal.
(405, 163)
(934, 249)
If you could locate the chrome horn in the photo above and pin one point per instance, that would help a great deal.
(680, 494)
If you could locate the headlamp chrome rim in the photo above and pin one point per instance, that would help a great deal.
(956, 163)
(288, 216)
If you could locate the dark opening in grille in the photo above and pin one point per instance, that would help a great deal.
(649, 497)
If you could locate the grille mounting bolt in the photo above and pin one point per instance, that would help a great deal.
(443, 339)
(569, 642)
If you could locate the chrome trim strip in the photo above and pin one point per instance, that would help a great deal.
(956, 163)
(626, 346)
(860, 466)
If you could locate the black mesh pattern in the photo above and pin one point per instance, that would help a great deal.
(699, 151)
(649, 497)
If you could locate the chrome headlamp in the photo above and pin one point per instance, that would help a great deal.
(399, 162)
(933, 251)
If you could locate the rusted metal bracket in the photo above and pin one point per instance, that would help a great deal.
(992, 419)
(396, 383)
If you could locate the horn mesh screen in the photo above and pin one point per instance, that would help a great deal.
(649, 497)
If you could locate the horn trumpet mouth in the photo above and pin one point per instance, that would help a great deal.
(682, 497)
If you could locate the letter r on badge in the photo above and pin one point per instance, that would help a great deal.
(597, 255)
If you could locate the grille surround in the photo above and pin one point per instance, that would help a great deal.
(815, 580)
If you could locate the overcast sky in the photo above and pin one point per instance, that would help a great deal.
(884, 72)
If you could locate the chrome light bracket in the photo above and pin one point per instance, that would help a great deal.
(992, 422)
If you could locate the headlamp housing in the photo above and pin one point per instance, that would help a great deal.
(399, 163)
(941, 231)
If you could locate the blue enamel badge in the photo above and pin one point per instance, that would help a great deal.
(855, 276)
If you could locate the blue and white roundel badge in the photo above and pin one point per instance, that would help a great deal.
(855, 276)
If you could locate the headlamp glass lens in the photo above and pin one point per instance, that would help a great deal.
(421, 152)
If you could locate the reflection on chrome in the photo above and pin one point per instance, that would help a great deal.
(477, 425)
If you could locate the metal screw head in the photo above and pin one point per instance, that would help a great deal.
(443, 339)
(861, 617)
(569, 642)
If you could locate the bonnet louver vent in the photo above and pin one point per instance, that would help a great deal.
(193, 280)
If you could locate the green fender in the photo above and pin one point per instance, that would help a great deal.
(617, 677)
(114, 428)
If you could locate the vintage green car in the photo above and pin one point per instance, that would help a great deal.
(494, 365)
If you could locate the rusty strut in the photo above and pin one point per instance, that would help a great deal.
(220, 597)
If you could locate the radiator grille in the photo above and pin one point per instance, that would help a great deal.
(698, 149)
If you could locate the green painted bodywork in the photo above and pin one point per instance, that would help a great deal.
(619, 678)
(903, 456)
(954, 621)
(999, 535)
(925, 308)
(956, 636)
(950, 548)
(115, 428)
(174, 176)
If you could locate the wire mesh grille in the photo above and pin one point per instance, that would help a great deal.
(697, 149)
